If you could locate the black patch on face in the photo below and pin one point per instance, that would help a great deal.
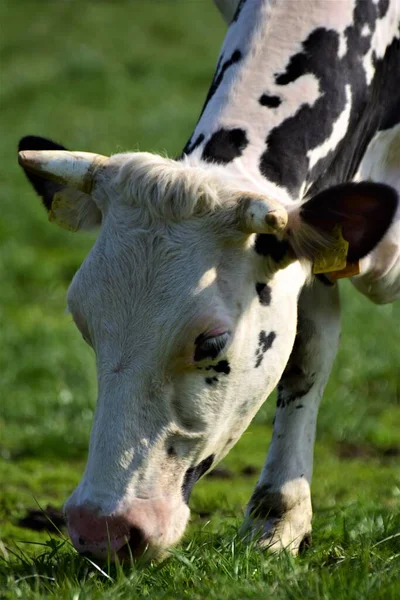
(264, 343)
(193, 474)
(222, 367)
(43, 187)
(225, 145)
(268, 245)
(270, 101)
(211, 380)
(264, 293)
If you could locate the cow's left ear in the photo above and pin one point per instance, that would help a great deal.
(354, 215)
(63, 180)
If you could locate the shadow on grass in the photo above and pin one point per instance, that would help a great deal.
(51, 446)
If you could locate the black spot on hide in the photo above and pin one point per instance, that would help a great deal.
(373, 107)
(191, 146)
(264, 343)
(264, 293)
(211, 380)
(225, 145)
(298, 377)
(193, 474)
(238, 10)
(381, 110)
(270, 101)
(222, 68)
(266, 504)
(222, 367)
(383, 6)
(43, 187)
(287, 394)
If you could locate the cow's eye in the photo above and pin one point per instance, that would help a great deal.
(210, 346)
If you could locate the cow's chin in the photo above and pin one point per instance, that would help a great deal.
(145, 531)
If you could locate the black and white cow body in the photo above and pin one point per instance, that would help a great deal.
(298, 98)
(198, 296)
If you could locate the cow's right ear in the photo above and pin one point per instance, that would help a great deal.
(69, 207)
(341, 224)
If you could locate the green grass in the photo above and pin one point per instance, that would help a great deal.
(110, 76)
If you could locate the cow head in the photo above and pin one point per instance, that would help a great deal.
(189, 301)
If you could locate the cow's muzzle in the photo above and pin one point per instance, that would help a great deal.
(148, 529)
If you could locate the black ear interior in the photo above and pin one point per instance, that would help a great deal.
(43, 187)
(364, 211)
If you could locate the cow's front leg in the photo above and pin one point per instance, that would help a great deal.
(279, 512)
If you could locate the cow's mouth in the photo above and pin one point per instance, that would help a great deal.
(131, 547)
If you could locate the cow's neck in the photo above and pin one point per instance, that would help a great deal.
(289, 88)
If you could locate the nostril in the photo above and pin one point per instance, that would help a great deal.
(136, 538)
(81, 541)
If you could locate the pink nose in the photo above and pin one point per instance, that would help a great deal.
(149, 526)
(103, 536)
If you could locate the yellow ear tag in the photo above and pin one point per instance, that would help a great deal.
(63, 209)
(333, 258)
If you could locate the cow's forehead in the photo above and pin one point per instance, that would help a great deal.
(165, 190)
(171, 275)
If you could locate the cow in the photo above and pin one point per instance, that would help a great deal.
(213, 276)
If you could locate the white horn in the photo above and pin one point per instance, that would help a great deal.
(260, 214)
(72, 169)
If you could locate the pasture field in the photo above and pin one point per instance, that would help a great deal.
(111, 76)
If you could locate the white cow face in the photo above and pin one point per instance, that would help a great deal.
(191, 329)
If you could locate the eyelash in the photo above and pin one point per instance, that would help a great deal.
(210, 347)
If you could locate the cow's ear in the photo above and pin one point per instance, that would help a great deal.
(68, 207)
(354, 216)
